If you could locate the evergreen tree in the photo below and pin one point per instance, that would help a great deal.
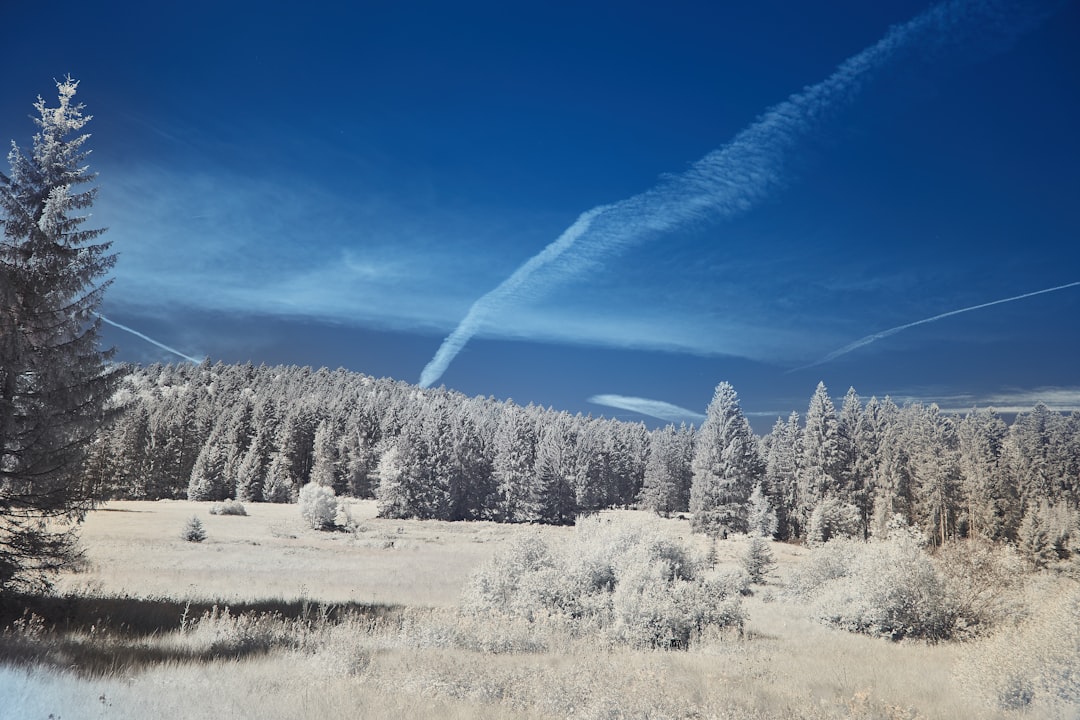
(554, 475)
(514, 466)
(666, 485)
(760, 517)
(989, 498)
(782, 474)
(934, 448)
(54, 383)
(208, 481)
(822, 466)
(324, 469)
(255, 464)
(280, 484)
(726, 467)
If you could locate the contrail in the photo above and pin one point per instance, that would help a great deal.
(892, 331)
(148, 339)
(726, 182)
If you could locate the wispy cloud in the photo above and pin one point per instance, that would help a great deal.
(1060, 399)
(652, 408)
(150, 340)
(221, 242)
(863, 342)
(723, 184)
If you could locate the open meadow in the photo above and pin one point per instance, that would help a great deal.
(267, 618)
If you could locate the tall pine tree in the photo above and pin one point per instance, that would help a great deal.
(727, 465)
(54, 383)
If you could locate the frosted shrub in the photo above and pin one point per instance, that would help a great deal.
(629, 585)
(833, 519)
(229, 507)
(888, 588)
(318, 506)
(984, 583)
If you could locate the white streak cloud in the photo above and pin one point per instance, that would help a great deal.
(725, 183)
(653, 408)
(863, 342)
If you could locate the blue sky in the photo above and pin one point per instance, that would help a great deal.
(601, 202)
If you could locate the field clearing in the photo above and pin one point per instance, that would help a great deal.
(126, 657)
(135, 548)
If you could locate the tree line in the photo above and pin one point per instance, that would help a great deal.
(257, 433)
(871, 465)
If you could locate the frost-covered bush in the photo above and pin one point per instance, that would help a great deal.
(832, 518)
(1034, 664)
(318, 506)
(885, 587)
(229, 507)
(892, 587)
(193, 530)
(624, 582)
(984, 583)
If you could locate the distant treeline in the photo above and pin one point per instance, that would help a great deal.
(258, 434)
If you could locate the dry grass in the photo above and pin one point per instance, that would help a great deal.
(134, 548)
(119, 650)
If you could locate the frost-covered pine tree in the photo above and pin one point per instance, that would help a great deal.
(727, 464)
(208, 481)
(666, 487)
(760, 517)
(554, 475)
(54, 382)
(514, 467)
(782, 474)
(822, 463)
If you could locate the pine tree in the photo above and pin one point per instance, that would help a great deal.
(782, 474)
(934, 448)
(324, 469)
(54, 384)
(662, 490)
(760, 517)
(208, 480)
(822, 466)
(990, 504)
(727, 464)
(554, 475)
(515, 458)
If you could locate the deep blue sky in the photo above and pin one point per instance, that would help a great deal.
(330, 185)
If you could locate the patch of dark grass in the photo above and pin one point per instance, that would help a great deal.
(98, 636)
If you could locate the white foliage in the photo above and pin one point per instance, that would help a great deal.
(318, 506)
(622, 582)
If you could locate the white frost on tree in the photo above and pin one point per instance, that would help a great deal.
(727, 464)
